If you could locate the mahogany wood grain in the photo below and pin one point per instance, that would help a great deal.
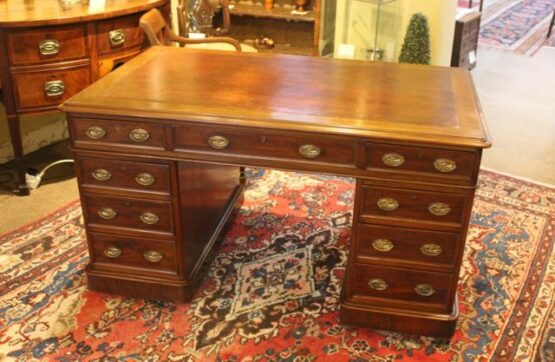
(267, 107)
(50, 12)
(134, 36)
(123, 176)
(407, 247)
(132, 259)
(23, 45)
(128, 212)
(29, 86)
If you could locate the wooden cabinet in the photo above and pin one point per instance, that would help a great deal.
(300, 34)
(416, 162)
(465, 42)
(54, 49)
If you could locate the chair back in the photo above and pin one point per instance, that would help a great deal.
(155, 27)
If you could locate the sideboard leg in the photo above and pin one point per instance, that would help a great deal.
(20, 164)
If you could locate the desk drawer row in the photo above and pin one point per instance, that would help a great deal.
(249, 144)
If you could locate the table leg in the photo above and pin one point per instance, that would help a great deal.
(20, 164)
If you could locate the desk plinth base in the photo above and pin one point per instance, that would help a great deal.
(404, 321)
(176, 291)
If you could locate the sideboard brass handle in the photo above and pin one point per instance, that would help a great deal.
(49, 47)
(139, 135)
(445, 165)
(382, 245)
(393, 159)
(54, 88)
(424, 290)
(431, 249)
(153, 256)
(145, 179)
(112, 252)
(310, 151)
(96, 132)
(218, 142)
(101, 174)
(388, 204)
(439, 209)
(378, 284)
(117, 37)
(107, 213)
(149, 218)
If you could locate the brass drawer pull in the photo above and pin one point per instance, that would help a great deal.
(378, 284)
(431, 249)
(424, 290)
(95, 132)
(393, 159)
(310, 151)
(218, 142)
(445, 165)
(54, 88)
(139, 135)
(112, 252)
(388, 204)
(49, 47)
(117, 37)
(153, 256)
(101, 174)
(107, 213)
(149, 218)
(382, 245)
(145, 179)
(439, 209)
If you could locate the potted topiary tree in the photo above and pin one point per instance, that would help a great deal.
(416, 46)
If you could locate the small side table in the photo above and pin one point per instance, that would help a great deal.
(465, 41)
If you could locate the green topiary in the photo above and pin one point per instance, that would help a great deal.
(416, 46)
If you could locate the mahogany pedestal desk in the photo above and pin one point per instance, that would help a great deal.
(52, 49)
(159, 145)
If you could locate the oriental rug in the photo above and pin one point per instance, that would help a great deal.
(516, 25)
(272, 291)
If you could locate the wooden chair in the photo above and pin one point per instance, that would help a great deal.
(159, 32)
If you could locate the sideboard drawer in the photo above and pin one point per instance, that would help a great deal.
(47, 44)
(129, 134)
(410, 159)
(413, 204)
(118, 34)
(125, 213)
(150, 255)
(268, 144)
(125, 175)
(48, 88)
(406, 246)
(423, 290)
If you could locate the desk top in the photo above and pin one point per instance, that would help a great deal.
(358, 98)
(47, 12)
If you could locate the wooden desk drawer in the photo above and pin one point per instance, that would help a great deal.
(268, 144)
(411, 160)
(126, 213)
(406, 246)
(105, 132)
(114, 174)
(413, 204)
(47, 44)
(396, 286)
(48, 88)
(150, 255)
(118, 34)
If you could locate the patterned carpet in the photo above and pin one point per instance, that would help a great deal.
(516, 25)
(295, 228)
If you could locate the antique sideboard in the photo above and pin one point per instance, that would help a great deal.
(159, 145)
(52, 49)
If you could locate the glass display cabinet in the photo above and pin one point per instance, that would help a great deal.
(371, 27)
